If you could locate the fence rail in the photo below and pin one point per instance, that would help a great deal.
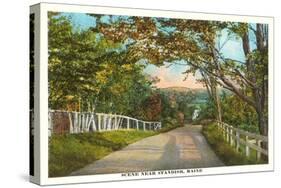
(78, 122)
(238, 138)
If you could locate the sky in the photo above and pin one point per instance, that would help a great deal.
(172, 76)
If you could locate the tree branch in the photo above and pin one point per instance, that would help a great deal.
(245, 79)
(227, 84)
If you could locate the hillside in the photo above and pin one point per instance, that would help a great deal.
(201, 94)
(182, 89)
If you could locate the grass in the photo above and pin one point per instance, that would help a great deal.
(70, 152)
(224, 151)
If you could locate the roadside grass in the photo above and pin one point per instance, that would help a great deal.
(70, 152)
(224, 151)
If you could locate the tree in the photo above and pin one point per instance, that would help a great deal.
(213, 93)
(89, 72)
(238, 113)
(194, 41)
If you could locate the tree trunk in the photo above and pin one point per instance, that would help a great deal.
(263, 129)
(261, 92)
(216, 97)
(263, 124)
(212, 89)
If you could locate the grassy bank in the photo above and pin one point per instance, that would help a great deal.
(68, 153)
(223, 150)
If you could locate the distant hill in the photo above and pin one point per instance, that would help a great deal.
(183, 89)
(196, 90)
(200, 93)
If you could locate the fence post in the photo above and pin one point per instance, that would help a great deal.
(104, 122)
(231, 136)
(109, 122)
(120, 120)
(115, 121)
(70, 122)
(83, 122)
(224, 131)
(247, 147)
(99, 122)
(144, 125)
(93, 122)
(78, 123)
(86, 122)
(137, 125)
(75, 122)
(237, 141)
(50, 124)
(128, 123)
(258, 152)
(227, 134)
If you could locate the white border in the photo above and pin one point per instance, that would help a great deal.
(45, 7)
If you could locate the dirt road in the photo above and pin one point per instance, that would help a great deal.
(180, 148)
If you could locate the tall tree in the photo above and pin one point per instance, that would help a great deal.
(92, 72)
(213, 93)
(194, 41)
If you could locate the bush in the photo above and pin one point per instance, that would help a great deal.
(169, 124)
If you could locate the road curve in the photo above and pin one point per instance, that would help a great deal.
(180, 148)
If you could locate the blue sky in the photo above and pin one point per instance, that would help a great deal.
(80, 20)
(232, 48)
(172, 76)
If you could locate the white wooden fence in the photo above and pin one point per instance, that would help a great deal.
(80, 122)
(239, 138)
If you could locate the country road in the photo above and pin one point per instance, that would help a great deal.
(180, 148)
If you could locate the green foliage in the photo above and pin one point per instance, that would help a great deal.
(197, 43)
(169, 124)
(99, 68)
(235, 112)
(208, 110)
(72, 61)
(176, 101)
(239, 114)
(68, 153)
(89, 72)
